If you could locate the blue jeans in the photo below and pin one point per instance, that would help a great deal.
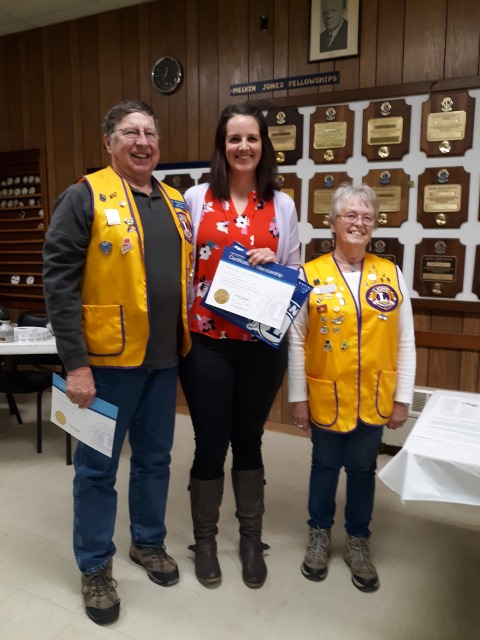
(146, 401)
(356, 451)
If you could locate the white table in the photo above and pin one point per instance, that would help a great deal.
(440, 460)
(31, 348)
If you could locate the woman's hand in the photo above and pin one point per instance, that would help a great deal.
(261, 256)
(399, 415)
(301, 415)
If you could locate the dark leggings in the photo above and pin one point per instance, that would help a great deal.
(230, 386)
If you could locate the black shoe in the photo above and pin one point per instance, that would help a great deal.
(102, 603)
(161, 568)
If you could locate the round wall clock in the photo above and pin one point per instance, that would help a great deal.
(166, 74)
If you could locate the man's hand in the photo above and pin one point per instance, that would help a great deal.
(81, 387)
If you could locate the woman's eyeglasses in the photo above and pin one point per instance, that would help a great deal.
(367, 220)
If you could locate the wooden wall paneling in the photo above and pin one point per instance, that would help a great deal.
(422, 321)
(144, 57)
(462, 39)
(389, 58)
(49, 117)
(261, 43)
(62, 163)
(109, 64)
(469, 379)
(77, 128)
(177, 101)
(280, 42)
(191, 83)
(234, 49)
(349, 73)
(130, 64)
(444, 364)
(92, 112)
(424, 39)
(368, 41)
(32, 88)
(4, 112)
(208, 65)
(298, 64)
(13, 95)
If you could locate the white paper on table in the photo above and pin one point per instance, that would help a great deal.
(94, 426)
(260, 293)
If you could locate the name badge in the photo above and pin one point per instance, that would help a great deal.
(326, 288)
(113, 216)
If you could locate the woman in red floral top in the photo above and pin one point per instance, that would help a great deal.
(230, 379)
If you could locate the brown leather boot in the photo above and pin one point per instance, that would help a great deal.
(248, 487)
(205, 500)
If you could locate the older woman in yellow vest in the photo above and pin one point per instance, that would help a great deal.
(351, 373)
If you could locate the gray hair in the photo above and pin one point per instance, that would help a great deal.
(116, 114)
(365, 194)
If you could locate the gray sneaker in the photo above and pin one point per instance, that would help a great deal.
(357, 556)
(161, 568)
(315, 563)
(102, 603)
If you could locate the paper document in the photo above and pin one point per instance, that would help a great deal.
(94, 426)
(451, 417)
(260, 293)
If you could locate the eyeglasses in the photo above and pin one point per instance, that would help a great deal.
(367, 220)
(133, 134)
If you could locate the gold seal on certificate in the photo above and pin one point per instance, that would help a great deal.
(285, 130)
(331, 134)
(320, 192)
(443, 197)
(386, 130)
(439, 267)
(221, 296)
(392, 189)
(447, 123)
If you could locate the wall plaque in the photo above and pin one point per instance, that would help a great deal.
(291, 184)
(476, 273)
(285, 128)
(392, 188)
(447, 124)
(443, 197)
(331, 134)
(386, 130)
(439, 267)
(181, 181)
(389, 248)
(318, 247)
(320, 192)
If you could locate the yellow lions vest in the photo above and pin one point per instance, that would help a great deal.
(115, 313)
(351, 351)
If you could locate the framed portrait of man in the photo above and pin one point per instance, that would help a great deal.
(333, 29)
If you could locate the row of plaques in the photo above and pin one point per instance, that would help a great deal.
(439, 262)
(447, 129)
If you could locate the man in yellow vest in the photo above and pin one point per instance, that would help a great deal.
(117, 261)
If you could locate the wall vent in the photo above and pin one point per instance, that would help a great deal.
(420, 397)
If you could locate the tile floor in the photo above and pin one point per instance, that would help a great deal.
(427, 555)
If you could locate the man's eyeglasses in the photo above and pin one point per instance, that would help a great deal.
(367, 220)
(133, 134)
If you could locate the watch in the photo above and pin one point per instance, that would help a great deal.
(166, 74)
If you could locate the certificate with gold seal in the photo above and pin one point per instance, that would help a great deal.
(285, 130)
(439, 267)
(331, 134)
(320, 193)
(386, 130)
(447, 123)
(391, 187)
(443, 197)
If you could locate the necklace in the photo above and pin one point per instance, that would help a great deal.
(349, 262)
